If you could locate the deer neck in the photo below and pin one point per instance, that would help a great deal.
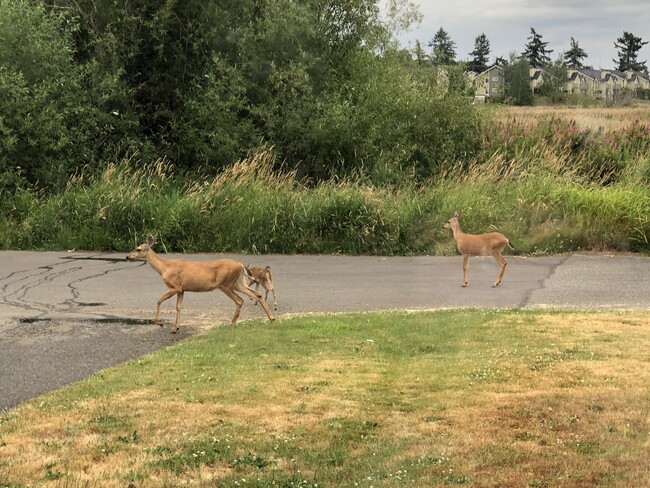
(456, 231)
(156, 262)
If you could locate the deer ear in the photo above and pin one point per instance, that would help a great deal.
(151, 240)
(457, 214)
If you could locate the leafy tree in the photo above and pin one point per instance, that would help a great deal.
(458, 83)
(628, 46)
(554, 81)
(402, 15)
(157, 49)
(517, 81)
(53, 119)
(574, 56)
(444, 49)
(480, 54)
(204, 83)
(536, 52)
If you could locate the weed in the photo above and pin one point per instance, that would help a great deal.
(51, 473)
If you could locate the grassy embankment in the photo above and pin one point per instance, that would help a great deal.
(450, 398)
(552, 180)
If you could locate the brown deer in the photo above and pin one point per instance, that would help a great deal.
(181, 275)
(491, 243)
(262, 276)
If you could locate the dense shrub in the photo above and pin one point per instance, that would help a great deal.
(203, 84)
(57, 115)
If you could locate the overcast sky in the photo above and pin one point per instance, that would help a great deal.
(594, 24)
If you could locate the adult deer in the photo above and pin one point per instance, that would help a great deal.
(491, 243)
(181, 275)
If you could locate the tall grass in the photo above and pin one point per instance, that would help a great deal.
(551, 185)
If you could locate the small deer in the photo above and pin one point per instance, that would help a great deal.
(491, 243)
(262, 276)
(181, 275)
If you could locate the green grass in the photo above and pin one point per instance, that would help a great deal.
(253, 209)
(457, 397)
(551, 183)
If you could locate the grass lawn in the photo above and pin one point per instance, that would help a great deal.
(472, 398)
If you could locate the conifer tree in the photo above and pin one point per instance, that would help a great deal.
(628, 47)
(480, 54)
(574, 56)
(536, 52)
(444, 49)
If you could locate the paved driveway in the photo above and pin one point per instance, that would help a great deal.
(64, 316)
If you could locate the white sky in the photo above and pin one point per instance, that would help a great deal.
(594, 24)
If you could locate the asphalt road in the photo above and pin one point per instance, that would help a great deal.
(65, 316)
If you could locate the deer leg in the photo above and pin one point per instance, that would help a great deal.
(241, 287)
(465, 265)
(166, 296)
(179, 303)
(238, 302)
(502, 268)
(275, 301)
(257, 287)
(265, 285)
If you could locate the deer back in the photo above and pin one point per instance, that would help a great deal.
(481, 244)
(185, 275)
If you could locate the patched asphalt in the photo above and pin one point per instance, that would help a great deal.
(65, 316)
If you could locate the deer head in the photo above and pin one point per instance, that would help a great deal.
(453, 220)
(142, 250)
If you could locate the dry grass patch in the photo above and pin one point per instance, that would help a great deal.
(474, 398)
(605, 119)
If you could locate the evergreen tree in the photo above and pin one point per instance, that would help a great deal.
(444, 49)
(536, 52)
(420, 55)
(574, 56)
(480, 54)
(628, 47)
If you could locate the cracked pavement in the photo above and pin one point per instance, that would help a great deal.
(65, 316)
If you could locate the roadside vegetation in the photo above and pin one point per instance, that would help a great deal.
(577, 179)
(121, 120)
(471, 398)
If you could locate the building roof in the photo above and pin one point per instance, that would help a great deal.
(494, 66)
